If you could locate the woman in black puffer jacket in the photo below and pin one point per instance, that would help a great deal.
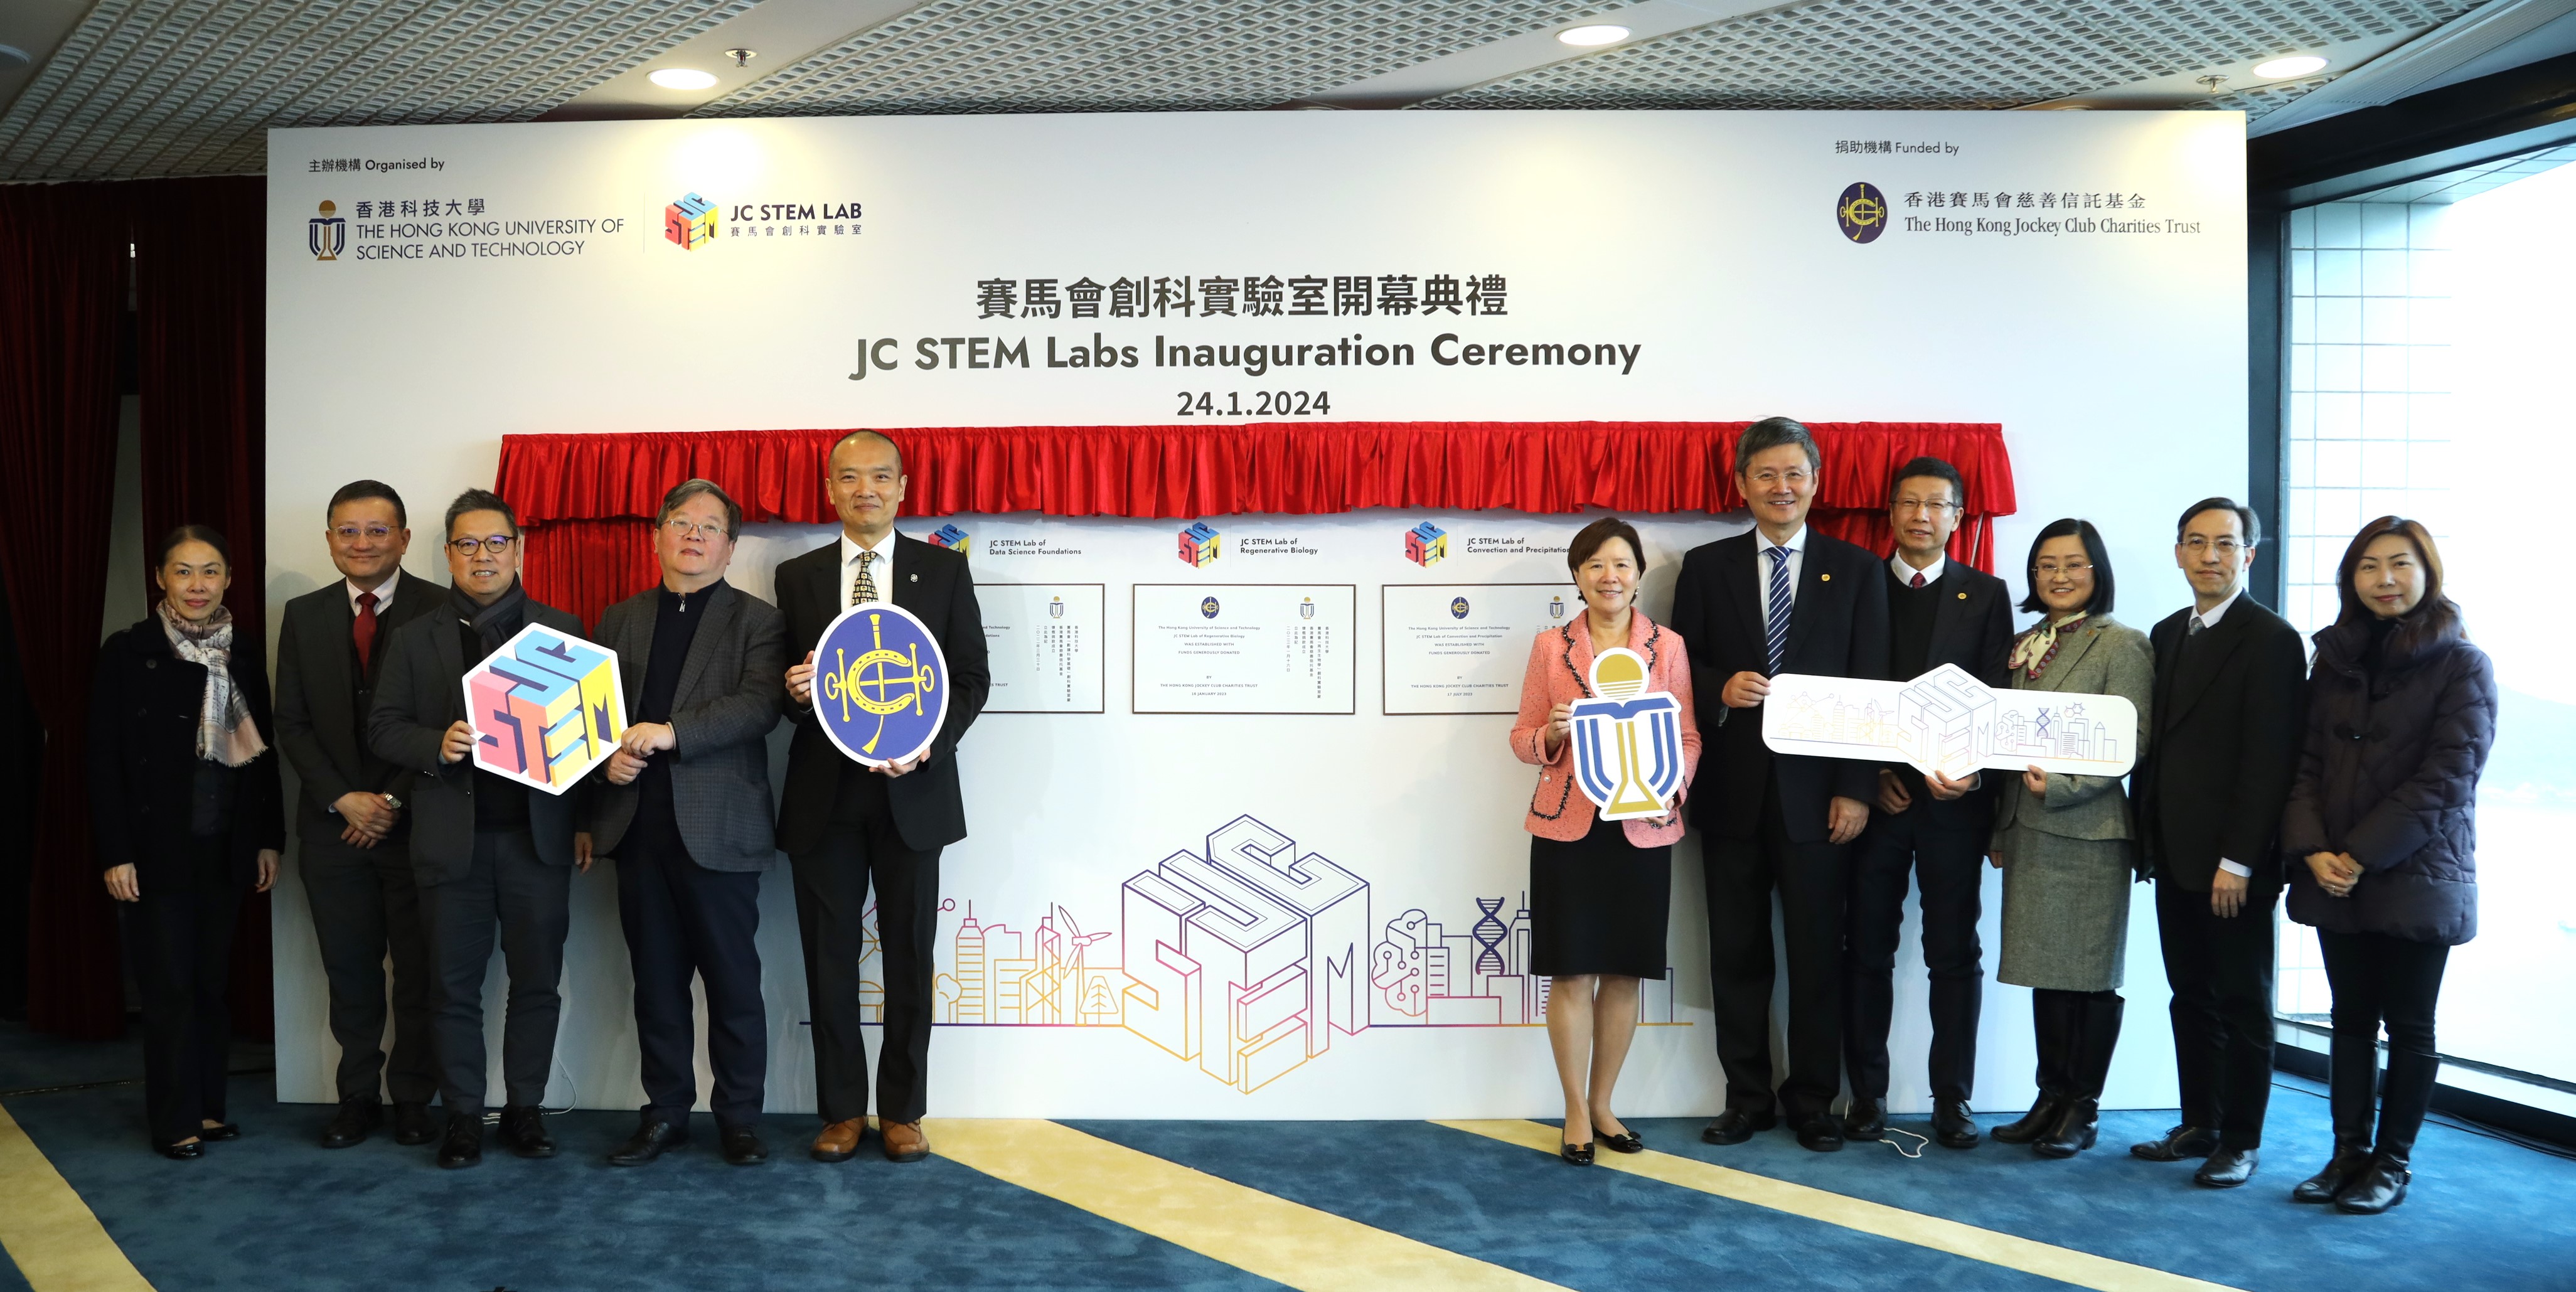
(2401, 714)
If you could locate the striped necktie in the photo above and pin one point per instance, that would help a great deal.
(863, 585)
(1779, 616)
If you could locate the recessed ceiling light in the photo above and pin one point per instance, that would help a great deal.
(1602, 33)
(681, 78)
(2282, 69)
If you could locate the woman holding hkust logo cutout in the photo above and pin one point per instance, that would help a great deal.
(1600, 892)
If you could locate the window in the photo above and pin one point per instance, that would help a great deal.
(2429, 377)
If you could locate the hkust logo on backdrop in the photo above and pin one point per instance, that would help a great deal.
(326, 233)
(880, 684)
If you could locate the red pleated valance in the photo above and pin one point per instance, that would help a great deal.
(585, 494)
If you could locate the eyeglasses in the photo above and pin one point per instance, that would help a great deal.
(2197, 545)
(677, 527)
(1933, 507)
(496, 544)
(352, 533)
(2072, 567)
(1794, 476)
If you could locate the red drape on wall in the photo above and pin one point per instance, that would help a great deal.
(200, 293)
(62, 286)
(585, 496)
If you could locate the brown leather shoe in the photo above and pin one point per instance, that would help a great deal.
(904, 1141)
(840, 1140)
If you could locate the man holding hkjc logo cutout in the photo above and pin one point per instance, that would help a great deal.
(1606, 715)
(892, 674)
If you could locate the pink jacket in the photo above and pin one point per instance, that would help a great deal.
(1560, 671)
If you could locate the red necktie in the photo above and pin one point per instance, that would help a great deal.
(363, 630)
(1918, 580)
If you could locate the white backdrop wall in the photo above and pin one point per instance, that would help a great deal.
(544, 296)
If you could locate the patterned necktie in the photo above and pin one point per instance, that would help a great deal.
(1779, 617)
(863, 585)
(1918, 580)
(2193, 627)
(362, 630)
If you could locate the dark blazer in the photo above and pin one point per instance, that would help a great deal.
(143, 754)
(1838, 628)
(2389, 773)
(933, 583)
(420, 693)
(1972, 627)
(731, 688)
(2217, 770)
(323, 699)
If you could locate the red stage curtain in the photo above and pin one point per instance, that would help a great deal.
(200, 292)
(62, 285)
(569, 488)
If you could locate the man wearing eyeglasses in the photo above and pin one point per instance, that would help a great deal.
(352, 834)
(2216, 773)
(1780, 599)
(1928, 832)
(485, 849)
(685, 815)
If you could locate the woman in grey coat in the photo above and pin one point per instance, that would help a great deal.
(2066, 844)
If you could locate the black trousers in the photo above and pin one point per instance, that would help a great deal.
(1741, 876)
(179, 935)
(366, 907)
(1946, 862)
(532, 904)
(831, 894)
(2221, 974)
(685, 921)
(2379, 980)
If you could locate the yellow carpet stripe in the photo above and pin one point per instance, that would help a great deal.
(2065, 1264)
(58, 1245)
(1253, 1231)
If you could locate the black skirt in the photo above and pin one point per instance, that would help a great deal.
(1599, 905)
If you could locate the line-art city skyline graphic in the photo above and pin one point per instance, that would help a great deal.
(1243, 956)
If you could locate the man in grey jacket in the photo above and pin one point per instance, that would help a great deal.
(686, 816)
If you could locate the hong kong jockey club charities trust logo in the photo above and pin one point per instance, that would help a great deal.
(880, 684)
(326, 233)
(1861, 212)
(690, 222)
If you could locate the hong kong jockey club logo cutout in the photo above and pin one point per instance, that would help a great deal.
(1627, 740)
(880, 684)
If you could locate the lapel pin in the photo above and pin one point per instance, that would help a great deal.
(1828, 578)
(916, 578)
(1963, 596)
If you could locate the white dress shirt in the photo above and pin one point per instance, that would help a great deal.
(881, 572)
(1905, 573)
(384, 591)
(1762, 545)
(2208, 619)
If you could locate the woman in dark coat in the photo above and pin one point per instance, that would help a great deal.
(2401, 715)
(185, 797)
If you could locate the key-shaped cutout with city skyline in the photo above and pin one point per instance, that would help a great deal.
(1948, 722)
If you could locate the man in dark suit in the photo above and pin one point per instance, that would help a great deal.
(2230, 679)
(843, 823)
(1781, 599)
(685, 815)
(1932, 829)
(484, 848)
(349, 823)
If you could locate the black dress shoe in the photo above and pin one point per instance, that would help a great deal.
(2036, 1123)
(2226, 1168)
(1576, 1154)
(188, 1152)
(524, 1130)
(411, 1123)
(350, 1125)
(219, 1132)
(2079, 1127)
(1951, 1125)
(1866, 1119)
(1624, 1142)
(1734, 1126)
(742, 1146)
(648, 1141)
(2177, 1144)
(463, 1146)
(1819, 1134)
(2381, 1185)
(2341, 1170)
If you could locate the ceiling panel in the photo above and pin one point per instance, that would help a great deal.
(1948, 53)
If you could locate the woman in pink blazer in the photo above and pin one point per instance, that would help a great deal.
(1600, 891)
